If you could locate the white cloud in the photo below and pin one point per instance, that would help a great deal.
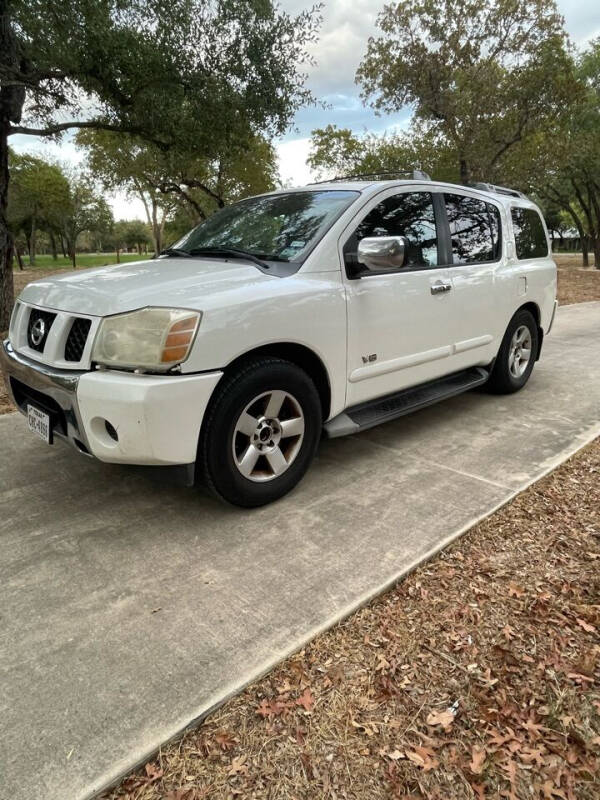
(293, 169)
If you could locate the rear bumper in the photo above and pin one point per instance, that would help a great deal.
(157, 418)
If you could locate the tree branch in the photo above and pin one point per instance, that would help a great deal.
(59, 127)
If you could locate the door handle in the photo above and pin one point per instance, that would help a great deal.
(439, 287)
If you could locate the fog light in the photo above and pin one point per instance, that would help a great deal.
(111, 430)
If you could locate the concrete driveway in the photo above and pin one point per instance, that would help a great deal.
(127, 610)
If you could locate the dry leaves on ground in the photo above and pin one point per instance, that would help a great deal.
(476, 677)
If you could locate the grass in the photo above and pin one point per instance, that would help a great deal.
(475, 677)
(82, 260)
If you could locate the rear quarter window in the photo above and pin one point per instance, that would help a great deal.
(530, 236)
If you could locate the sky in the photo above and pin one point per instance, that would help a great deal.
(346, 27)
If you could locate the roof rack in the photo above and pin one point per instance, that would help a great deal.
(414, 174)
(491, 187)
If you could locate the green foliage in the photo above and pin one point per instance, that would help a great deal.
(482, 74)
(338, 151)
(39, 194)
(203, 77)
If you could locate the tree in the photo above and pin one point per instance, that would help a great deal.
(169, 72)
(39, 198)
(482, 74)
(572, 182)
(338, 151)
(87, 211)
(166, 179)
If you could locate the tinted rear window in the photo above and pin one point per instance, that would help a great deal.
(474, 229)
(530, 236)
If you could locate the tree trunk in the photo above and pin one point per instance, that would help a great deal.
(597, 252)
(465, 172)
(32, 242)
(156, 231)
(72, 254)
(19, 259)
(6, 246)
(62, 246)
(118, 255)
(53, 246)
(585, 250)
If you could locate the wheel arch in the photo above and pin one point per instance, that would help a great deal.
(535, 312)
(298, 354)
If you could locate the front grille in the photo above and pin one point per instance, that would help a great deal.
(77, 338)
(38, 328)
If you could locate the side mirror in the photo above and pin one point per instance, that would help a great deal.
(378, 253)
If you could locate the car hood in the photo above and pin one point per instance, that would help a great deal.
(176, 282)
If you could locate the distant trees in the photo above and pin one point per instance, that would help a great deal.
(167, 180)
(39, 200)
(44, 198)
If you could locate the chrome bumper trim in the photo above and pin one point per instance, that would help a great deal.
(58, 384)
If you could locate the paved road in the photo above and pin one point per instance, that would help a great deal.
(93, 677)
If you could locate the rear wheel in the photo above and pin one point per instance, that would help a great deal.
(260, 433)
(516, 356)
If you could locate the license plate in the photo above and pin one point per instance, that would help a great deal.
(39, 423)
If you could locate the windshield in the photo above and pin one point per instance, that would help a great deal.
(276, 227)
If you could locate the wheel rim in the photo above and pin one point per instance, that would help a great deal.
(268, 436)
(519, 354)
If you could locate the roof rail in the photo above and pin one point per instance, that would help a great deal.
(491, 187)
(414, 174)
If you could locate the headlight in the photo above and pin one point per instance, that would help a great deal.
(151, 338)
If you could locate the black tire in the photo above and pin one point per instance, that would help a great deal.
(502, 380)
(217, 448)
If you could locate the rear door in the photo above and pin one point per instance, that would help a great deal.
(474, 254)
(400, 324)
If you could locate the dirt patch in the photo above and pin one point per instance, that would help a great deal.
(576, 284)
(476, 677)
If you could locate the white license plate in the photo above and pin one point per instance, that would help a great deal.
(39, 423)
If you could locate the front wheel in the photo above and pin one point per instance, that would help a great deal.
(260, 433)
(516, 356)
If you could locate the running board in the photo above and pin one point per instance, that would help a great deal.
(383, 409)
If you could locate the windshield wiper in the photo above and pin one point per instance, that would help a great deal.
(229, 251)
(174, 251)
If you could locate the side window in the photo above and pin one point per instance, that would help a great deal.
(474, 229)
(530, 236)
(410, 215)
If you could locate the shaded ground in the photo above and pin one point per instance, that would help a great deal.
(576, 284)
(476, 677)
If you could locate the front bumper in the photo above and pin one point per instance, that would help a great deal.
(157, 418)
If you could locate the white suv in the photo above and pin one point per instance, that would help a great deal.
(332, 307)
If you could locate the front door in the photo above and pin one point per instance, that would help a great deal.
(400, 324)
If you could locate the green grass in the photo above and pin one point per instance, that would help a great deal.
(83, 260)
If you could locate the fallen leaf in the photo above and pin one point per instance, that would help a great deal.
(585, 625)
(443, 718)
(478, 756)
(225, 740)
(238, 766)
(306, 700)
(153, 771)
(514, 590)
